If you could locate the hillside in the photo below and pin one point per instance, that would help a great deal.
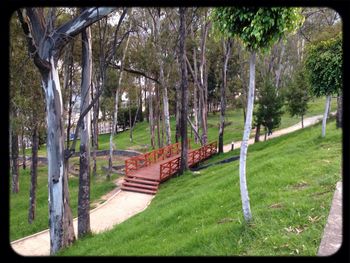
(290, 179)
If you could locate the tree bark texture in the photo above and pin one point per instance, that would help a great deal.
(244, 146)
(84, 160)
(184, 92)
(227, 50)
(325, 115)
(33, 175)
(257, 133)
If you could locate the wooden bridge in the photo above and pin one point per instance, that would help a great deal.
(144, 173)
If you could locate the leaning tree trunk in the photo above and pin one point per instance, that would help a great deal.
(244, 146)
(84, 161)
(33, 174)
(325, 115)
(14, 159)
(94, 130)
(339, 119)
(184, 93)
(178, 113)
(227, 51)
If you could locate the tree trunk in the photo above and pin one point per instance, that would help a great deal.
(157, 113)
(61, 225)
(14, 158)
(115, 115)
(162, 80)
(151, 116)
(325, 115)
(130, 122)
(84, 161)
(339, 119)
(33, 174)
(178, 113)
(227, 50)
(184, 93)
(257, 133)
(195, 89)
(244, 147)
(94, 131)
(279, 70)
(23, 146)
(302, 121)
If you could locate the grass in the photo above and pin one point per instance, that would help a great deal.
(19, 203)
(291, 180)
(233, 130)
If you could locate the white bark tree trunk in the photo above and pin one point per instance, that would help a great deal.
(325, 115)
(244, 147)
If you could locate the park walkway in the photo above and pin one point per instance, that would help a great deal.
(119, 207)
(307, 122)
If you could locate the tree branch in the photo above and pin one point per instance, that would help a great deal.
(72, 28)
(134, 71)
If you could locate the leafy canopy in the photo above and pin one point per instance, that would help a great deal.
(324, 66)
(258, 28)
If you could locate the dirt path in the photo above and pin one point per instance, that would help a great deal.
(119, 207)
(307, 122)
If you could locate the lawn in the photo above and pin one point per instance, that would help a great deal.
(233, 130)
(291, 180)
(19, 203)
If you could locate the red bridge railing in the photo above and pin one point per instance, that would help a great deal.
(194, 156)
(135, 163)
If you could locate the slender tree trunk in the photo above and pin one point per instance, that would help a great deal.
(279, 70)
(325, 115)
(227, 50)
(84, 161)
(94, 131)
(244, 147)
(257, 133)
(157, 113)
(302, 121)
(14, 159)
(130, 122)
(33, 175)
(135, 118)
(195, 89)
(339, 119)
(115, 115)
(184, 92)
(151, 118)
(178, 113)
(23, 146)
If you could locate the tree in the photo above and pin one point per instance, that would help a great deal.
(269, 110)
(45, 43)
(184, 91)
(324, 66)
(227, 45)
(84, 159)
(297, 95)
(258, 28)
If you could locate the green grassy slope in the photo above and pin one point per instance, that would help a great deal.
(291, 180)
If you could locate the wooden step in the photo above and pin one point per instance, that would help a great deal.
(144, 186)
(139, 190)
(139, 180)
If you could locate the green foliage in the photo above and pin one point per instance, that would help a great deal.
(258, 28)
(270, 103)
(324, 66)
(298, 94)
(200, 213)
